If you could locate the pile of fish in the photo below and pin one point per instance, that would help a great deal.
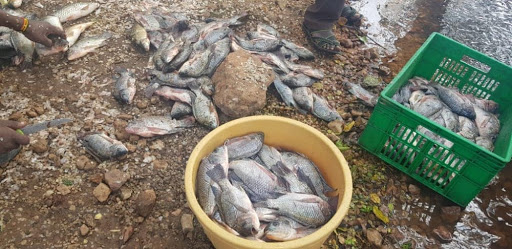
(260, 193)
(472, 118)
(22, 51)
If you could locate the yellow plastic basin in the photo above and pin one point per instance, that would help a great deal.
(287, 134)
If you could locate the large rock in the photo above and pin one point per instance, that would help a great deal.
(115, 179)
(241, 83)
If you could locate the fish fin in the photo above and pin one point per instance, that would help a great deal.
(216, 191)
(282, 169)
(333, 202)
(303, 177)
(217, 173)
(228, 228)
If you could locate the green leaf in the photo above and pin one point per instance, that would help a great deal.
(350, 242)
(67, 182)
(380, 215)
(391, 207)
(364, 39)
(366, 209)
(341, 146)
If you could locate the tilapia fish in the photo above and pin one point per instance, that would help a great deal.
(297, 80)
(140, 37)
(59, 44)
(274, 61)
(252, 35)
(487, 123)
(24, 48)
(87, 45)
(267, 29)
(215, 35)
(285, 92)
(176, 94)
(196, 65)
(361, 93)
(102, 147)
(458, 102)
(303, 96)
(204, 184)
(284, 229)
(171, 79)
(204, 110)
(158, 125)
(287, 54)
(258, 182)
(306, 70)
(124, 88)
(155, 38)
(323, 110)
(244, 146)
(220, 51)
(180, 110)
(74, 11)
(467, 128)
(74, 32)
(259, 45)
(173, 49)
(485, 142)
(426, 105)
(294, 180)
(234, 205)
(269, 156)
(180, 58)
(302, 52)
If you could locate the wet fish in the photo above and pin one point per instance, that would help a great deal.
(487, 123)
(362, 94)
(259, 45)
(180, 110)
(203, 84)
(220, 51)
(303, 96)
(156, 38)
(485, 142)
(294, 180)
(294, 79)
(53, 20)
(124, 88)
(204, 110)
(309, 210)
(191, 34)
(102, 147)
(73, 32)
(274, 61)
(172, 50)
(467, 128)
(486, 104)
(219, 156)
(306, 70)
(24, 48)
(287, 54)
(284, 229)
(285, 92)
(302, 52)
(267, 29)
(5, 41)
(266, 214)
(216, 35)
(157, 56)
(244, 146)
(176, 94)
(252, 35)
(426, 105)
(87, 45)
(323, 110)
(149, 21)
(458, 103)
(179, 59)
(451, 119)
(158, 125)
(234, 205)
(196, 65)
(269, 156)
(258, 182)
(172, 22)
(171, 79)
(74, 11)
(215, 24)
(59, 44)
(139, 37)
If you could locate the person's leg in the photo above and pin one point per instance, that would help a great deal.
(318, 23)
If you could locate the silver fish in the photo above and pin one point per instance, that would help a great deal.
(451, 120)
(59, 44)
(287, 54)
(293, 79)
(220, 51)
(323, 110)
(24, 48)
(204, 110)
(196, 65)
(140, 37)
(156, 38)
(485, 142)
(172, 50)
(309, 210)
(180, 110)
(74, 11)
(458, 103)
(87, 45)
(266, 214)
(171, 79)
(362, 94)
(191, 34)
(269, 156)
(150, 22)
(306, 70)
(219, 156)
(285, 92)
(259, 45)
(234, 204)
(272, 60)
(284, 229)
(244, 146)
(216, 35)
(158, 125)
(467, 128)
(302, 52)
(294, 180)
(267, 29)
(258, 182)
(102, 147)
(73, 32)
(180, 58)
(303, 96)
(124, 88)
(252, 35)
(486, 104)
(426, 105)
(487, 123)
(215, 24)
(176, 94)
(5, 41)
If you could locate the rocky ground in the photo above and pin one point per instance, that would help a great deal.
(54, 195)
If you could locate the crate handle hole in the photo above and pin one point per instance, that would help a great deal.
(476, 64)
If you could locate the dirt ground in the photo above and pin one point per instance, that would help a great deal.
(47, 193)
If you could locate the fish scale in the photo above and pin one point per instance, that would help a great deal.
(309, 210)
(74, 11)
(87, 45)
(244, 146)
(257, 181)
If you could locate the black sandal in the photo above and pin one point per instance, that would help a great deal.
(323, 40)
(352, 16)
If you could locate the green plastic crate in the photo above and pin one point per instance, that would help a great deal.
(461, 171)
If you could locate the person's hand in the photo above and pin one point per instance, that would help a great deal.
(9, 138)
(38, 31)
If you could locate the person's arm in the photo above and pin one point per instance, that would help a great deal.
(36, 31)
(9, 138)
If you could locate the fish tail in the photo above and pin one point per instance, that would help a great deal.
(217, 173)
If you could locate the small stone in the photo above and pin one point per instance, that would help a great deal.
(143, 104)
(72, 208)
(40, 146)
(122, 135)
(450, 214)
(374, 237)
(101, 192)
(39, 110)
(125, 116)
(187, 223)
(383, 70)
(16, 116)
(336, 126)
(333, 137)
(32, 114)
(96, 178)
(127, 233)
(160, 164)
(84, 230)
(63, 190)
(115, 179)
(371, 80)
(176, 212)
(23, 242)
(120, 124)
(81, 161)
(98, 216)
(126, 193)
(356, 113)
(145, 202)
(346, 43)
(131, 148)
(414, 190)
(443, 234)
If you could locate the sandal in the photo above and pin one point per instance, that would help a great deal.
(352, 16)
(323, 40)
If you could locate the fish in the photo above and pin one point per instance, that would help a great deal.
(196, 65)
(287, 54)
(274, 61)
(171, 79)
(486, 104)
(220, 51)
(303, 96)
(139, 37)
(5, 41)
(310, 171)
(24, 49)
(252, 35)
(485, 142)
(172, 22)
(215, 24)
(191, 34)
(487, 123)
(285, 92)
(308, 210)
(266, 214)
(426, 105)
(467, 128)
(234, 205)
(244, 146)
(180, 58)
(158, 125)
(206, 198)
(59, 44)
(156, 38)
(204, 85)
(204, 110)
(306, 70)
(74, 11)
(180, 110)
(216, 35)
(176, 94)
(269, 156)
(323, 110)
(124, 88)
(267, 29)
(257, 181)
(73, 32)
(451, 120)
(87, 45)
(102, 147)
(53, 20)
(149, 21)
(302, 52)
(361, 93)
(294, 180)
(284, 229)
(293, 79)
(458, 102)
(258, 45)
(157, 56)
(173, 49)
